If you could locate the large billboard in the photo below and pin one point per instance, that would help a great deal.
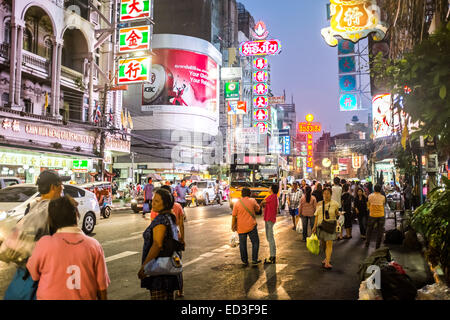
(182, 78)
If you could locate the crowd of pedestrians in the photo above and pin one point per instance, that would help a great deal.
(327, 210)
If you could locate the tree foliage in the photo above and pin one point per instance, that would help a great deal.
(426, 71)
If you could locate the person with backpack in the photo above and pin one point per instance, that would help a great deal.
(270, 205)
(307, 208)
(244, 223)
(68, 264)
(157, 237)
(376, 203)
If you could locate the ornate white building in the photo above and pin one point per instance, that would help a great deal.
(56, 60)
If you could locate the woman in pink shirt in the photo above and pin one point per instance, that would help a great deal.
(306, 210)
(68, 264)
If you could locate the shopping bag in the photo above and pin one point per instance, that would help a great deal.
(234, 241)
(341, 220)
(22, 286)
(299, 228)
(145, 207)
(313, 245)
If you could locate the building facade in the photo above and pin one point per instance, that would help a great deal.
(53, 110)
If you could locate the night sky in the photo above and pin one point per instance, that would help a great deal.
(307, 67)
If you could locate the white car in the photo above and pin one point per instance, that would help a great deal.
(8, 181)
(15, 199)
(206, 193)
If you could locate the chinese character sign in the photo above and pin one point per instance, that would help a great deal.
(309, 155)
(260, 76)
(135, 9)
(345, 47)
(263, 127)
(260, 89)
(347, 83)
(134, 70)
(134, 39)
(347, 64)
(260, 48)
(260, 102)
(260, 63)
(261, 114)
(348, 102)
(353, 20)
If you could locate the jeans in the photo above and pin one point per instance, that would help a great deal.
(305, 225)
(254, 238)
(380, 229)
(362, 219)
(270, 238)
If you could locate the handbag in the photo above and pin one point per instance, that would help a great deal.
(299, 228)
(22, 286)
(234, 241)
(327, 226)
(168, 262)
(146, 207)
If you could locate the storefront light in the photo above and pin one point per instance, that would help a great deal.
(26, 167)
(31, 170)
(11, 172)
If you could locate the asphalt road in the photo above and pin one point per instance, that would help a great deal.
(213, 270)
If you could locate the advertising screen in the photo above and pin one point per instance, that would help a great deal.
(182, 78)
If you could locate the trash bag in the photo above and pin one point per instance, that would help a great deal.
(313, 244)
(396, 286)
(20, 240)
(22, 286)
(368, 294)
(394, 236)
(299, 228)
(436, 291)
(379, 257)
(234, 241)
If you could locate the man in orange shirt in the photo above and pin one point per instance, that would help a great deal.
(376, 205)
(244, 222)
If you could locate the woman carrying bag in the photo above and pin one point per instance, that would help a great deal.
(325, 224)
(157, 243)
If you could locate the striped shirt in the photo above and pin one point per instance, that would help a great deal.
(294, 198)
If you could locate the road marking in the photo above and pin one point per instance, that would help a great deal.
(121, 240)
(191, 262)
(120, 255)
(269, 272)
(137, 232)
(207, 255)
(219, 250)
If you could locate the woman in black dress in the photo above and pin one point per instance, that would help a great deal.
(318, 193)
(346, 200)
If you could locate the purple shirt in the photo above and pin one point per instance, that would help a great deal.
(148, 191)
(181, 193)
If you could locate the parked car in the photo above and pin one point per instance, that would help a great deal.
(103, 192)
(15, 199)
(137, 203)
(206, 193)
(8, 181)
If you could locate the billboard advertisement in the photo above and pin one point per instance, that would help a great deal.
(182, 78)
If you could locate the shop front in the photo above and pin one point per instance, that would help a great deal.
(29, 147)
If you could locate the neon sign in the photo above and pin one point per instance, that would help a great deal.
(353, 20)
(261, 114)
(260, 89)
(260, 102)
(134, 39)
(263, 127)
(260, 48)
(260, 76)
(260, 63)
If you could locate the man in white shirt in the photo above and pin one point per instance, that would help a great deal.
(293, 199)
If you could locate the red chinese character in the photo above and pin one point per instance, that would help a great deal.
(133, 68)
(133, 38)
(6, 124)
(134, 7)
(16, 126)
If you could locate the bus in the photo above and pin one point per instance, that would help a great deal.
(257, 173)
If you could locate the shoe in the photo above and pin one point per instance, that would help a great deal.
(293, 228)
(270, 260)
(245, 264)
(327, 268)
(255, 263)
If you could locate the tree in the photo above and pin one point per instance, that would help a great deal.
(426, 71)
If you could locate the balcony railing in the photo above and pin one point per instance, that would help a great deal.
(36, 63)
(72, 78)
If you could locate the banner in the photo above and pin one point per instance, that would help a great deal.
(182, 78)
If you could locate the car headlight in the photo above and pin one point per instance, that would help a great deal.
(234, 200)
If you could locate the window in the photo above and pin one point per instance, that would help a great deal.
(10, 182)
(48, 48)
(5, 99)
(7, 31)
(28, 106)
(71, 191)
(17, 194)
(27, 40)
